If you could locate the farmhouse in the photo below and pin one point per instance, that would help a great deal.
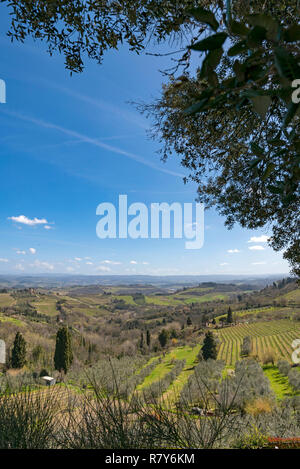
(48, 380)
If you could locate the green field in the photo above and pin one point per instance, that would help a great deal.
(6, 300)
(293, 297)
(15, 321)
(279, 383)
(275, 336)
(180, 353)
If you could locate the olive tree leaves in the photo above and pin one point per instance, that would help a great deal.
(263, 66)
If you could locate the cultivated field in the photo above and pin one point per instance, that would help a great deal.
(275, 336)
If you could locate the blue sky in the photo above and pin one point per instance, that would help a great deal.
(71, 143)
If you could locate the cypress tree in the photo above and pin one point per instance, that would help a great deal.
(142, 341)
(229, 316)
(163, 338)
(148, 338)
(18, 355)
(63, 356)
(209, 348)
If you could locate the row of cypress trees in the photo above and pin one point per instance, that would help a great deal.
(63, 356)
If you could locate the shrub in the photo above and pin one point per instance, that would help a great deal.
(246, 348)
(269, 357)
(248, 383)
(202, 382)
(27, 420)
(283, 367)
(255, 439)
(294, 378)
(259, 406)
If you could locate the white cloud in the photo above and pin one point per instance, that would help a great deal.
(70, 269)
(28, 221)
(20, 267)
(224, 263)
(256, 248)
(3, 260)
(259, 239)
(89, 263)
(233, 251)
(42, 265)
(111, 262)
(21, 252)
(133, 262)
(78, 259)
(102, 268)
(145, 263)
(258, 263)
(47, 227)
(32, 250)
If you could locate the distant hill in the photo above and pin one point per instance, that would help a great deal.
(168, 282)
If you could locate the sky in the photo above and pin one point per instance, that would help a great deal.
(70, 143)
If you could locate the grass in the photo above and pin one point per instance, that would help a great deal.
(46, 307)
(163, 300)
(279, 383)
(158, 373)
(250, 312)
(185, 299)
(293, 297)
(15, 321)
(207, 298)
(187, 353)
(127, 298)
(6, 299)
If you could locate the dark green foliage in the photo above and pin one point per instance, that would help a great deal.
(189, 321)
(163, 338)
(18, 355)
(142, 341)
(63, 356)
(43, 372)
(234, 123)
(209, 348)
(148, 338)
(229, 319)
(80, 29)
(139, 298)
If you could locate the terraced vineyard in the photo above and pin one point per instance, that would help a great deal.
(276, 336)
